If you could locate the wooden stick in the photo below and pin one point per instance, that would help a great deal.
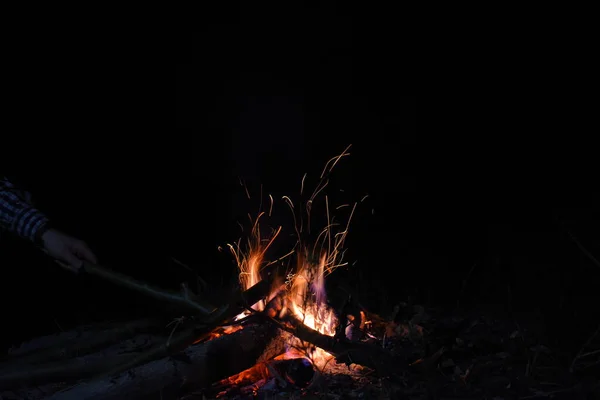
(581, 354)
(186, 301)
(183, 301)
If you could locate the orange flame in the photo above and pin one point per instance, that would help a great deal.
(250, 262)
(305, 296)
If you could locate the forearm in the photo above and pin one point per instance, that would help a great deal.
(18, 216)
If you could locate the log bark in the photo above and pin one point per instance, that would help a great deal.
(196, 366)
(32, 392)
(85, 366)
(80, 341)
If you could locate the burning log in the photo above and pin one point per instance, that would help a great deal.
(274, 375)
(197, 366)
(276, 305)
(365, 354)
(255, 293)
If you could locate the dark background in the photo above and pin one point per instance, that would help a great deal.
(487, 178)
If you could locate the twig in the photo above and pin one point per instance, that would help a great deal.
(584, 250)
(176, 261)
(549, 394)
(591, 353)
(586, 344)
(198, 278)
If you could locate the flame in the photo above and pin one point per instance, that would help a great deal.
(306, 300)
(305, 296)
(250, 262)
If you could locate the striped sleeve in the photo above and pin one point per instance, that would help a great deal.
(17, 215)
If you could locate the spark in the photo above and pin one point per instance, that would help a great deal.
(334, 160)
(289, 201)
(328, 223)
(291, 204)
(322, 185)
(302, 184)
(243, 184)
(261, 198)
(281, 258)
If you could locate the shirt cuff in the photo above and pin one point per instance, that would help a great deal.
(31, 224)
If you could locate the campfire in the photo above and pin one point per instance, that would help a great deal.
(279, 336)
(297, 299)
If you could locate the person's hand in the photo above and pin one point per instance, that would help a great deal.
(69, 250)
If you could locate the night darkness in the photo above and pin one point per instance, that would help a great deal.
(454, 187)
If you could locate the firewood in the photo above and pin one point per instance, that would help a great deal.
(80, 368)
(276, 305)
(32, 392)
(365, 354)
(18, 374)
(196, 366)
(200, 331)
(287, 373)
(79, 341)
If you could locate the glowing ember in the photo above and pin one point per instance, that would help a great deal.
(226, 330)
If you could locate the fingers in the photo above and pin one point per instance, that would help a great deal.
(67, 249)
(67, 266)
(82, 250)
(72, 260)
(77, 253)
